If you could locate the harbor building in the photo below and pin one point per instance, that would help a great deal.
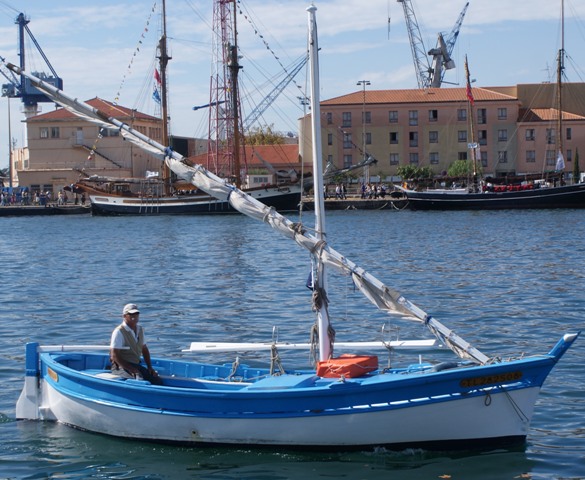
(515, 128)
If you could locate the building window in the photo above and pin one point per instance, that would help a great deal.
(433, 136)
(484, 159)
(44, 131)
(482, 137)
(502, 135)
(434, 158)
(481, 116)
(530, 156)
(530, 137)
(462, 136)
(347, 143)
(394, 159)
(569, 133)
(433, 115)
(329, 117)
(503, 156)
(551, 158)
(346, 119)
(462, 115)
(54, 132)
(413, 118)
(329, 139)
(347, 161)
(569, 155)
(393, 116)
(413, 158)
(329, 159)
(462, 155)
(550, 136)
(368, 138)
(393, 138)
(366, 117)
(502, 113)
(413, 139)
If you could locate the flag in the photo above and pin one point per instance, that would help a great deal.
(156, 95)
(560, 162)
(157, 86)
(468, 89)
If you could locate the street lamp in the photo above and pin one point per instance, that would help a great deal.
(364, 83)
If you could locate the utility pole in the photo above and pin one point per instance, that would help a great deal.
(364, 84)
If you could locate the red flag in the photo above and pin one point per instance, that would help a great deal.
(157, 76)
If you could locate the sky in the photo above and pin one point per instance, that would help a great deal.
(108, 48)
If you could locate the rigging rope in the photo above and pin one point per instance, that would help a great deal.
(136, 51)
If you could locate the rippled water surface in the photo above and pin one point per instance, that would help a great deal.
(509, 282)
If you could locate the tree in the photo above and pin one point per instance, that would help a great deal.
(460, 168)
(260, 136)
(412, 172)
(576, 169)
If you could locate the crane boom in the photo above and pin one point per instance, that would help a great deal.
(419, 53)
(23, 88)
(276, 91)
(430, 74)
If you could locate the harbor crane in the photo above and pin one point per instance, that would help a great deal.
(22, 87)
(430, 74)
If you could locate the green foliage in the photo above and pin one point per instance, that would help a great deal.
(260, 136)
(412, 172)
(460, 168)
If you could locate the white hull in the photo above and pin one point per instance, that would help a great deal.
(454, 420)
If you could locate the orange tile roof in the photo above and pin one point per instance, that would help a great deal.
(431, 95)
(545, 115)
(279, 156)
(109, 108)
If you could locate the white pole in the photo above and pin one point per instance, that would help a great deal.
(321, 280)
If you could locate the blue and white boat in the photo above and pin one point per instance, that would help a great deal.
(342, 402)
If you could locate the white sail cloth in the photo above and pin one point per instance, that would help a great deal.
(377, 292)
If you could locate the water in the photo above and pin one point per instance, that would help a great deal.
(509, 282)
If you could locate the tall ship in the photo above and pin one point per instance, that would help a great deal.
(162, 192)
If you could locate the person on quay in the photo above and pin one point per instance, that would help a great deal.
(128, 346)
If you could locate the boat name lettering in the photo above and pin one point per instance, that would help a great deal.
(490, 379)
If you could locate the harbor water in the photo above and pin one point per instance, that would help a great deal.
(510, 282)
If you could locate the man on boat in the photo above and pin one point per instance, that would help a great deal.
(127, 346)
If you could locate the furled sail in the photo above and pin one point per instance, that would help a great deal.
(384, 297)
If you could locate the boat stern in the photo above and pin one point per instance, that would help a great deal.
(27, 406)
(30, 402)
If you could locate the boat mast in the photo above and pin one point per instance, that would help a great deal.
(224, 154)
(560, 70)
(164, 58)
(472, 144)
(320, 285)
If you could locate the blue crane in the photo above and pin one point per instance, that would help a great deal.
(21, 87)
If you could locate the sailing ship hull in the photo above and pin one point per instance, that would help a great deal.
(281, 198)
(201, 404)
(567, 196)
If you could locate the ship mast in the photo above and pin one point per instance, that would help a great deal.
(473, 145)
(560, 70)
(164, 58)
(225, 156)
